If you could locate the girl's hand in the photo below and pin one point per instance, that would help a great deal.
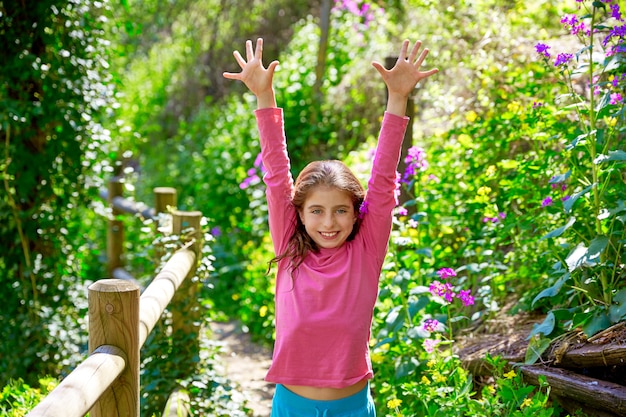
(257, 78)
(404, 76)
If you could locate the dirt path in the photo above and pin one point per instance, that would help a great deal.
(246, 363)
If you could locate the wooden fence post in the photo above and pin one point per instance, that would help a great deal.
(115, 230)
(114, 320)
(186, 313)
(164, 197)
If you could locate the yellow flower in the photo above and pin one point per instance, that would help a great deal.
(526, 403)
(377, 357)
(513, 106)
(263, 311)
(471, 116)
(465, 140)
(610, 121)
(437, 377)
(431, 363)
(491, 171)
(484, 190)
(425, 380)
(510, 375)
(491, 389)
(395, 403)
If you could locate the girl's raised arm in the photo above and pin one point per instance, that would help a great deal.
(254, 75)
(404, 76)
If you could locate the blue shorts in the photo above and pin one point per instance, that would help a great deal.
(288, 404)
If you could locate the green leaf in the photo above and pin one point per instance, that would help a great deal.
(406, 367)
(558, 232)
(546, 327)
(536, 347)
(560, 178)
(578, 139)
(617, 311)
(553, 290)
(599, 321)
(618, 155)
(395, 318)
(583, 256)
(569, 203)
(415, 306)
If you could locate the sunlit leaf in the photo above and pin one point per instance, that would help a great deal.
(569, 203)
(618, 155)
(536, 347)
(553, 290)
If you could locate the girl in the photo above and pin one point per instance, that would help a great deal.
(330, 240)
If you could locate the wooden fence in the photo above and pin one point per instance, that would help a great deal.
(121, 317)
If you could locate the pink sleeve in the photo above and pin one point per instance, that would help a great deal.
(381, 196)
(277, 178)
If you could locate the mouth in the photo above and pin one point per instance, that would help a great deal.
(329, 235)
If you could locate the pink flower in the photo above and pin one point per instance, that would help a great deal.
(430, 345)
(466, 297)
(431, 325)
(445, 273)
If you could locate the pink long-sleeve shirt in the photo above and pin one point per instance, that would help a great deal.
(324, 311)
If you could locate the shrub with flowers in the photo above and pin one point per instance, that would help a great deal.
(588, 241)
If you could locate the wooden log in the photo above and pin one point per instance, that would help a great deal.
(591, 356)
(114, 320)
(156, 297)
(79, 391)
(178, 404)
(124, 205)
(597, 394)
(186, 313)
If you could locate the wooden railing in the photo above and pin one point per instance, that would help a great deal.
(122, 316)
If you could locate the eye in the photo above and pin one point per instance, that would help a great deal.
(316, 211)
(341, 211)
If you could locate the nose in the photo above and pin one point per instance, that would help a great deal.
(328, 220)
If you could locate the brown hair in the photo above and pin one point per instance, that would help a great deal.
(327, 173)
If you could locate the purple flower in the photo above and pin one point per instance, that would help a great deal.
(412, 223)
(440, 289)
(466, 297)
(616, 98)
(216, 231)
(546, 202)
(252, 179)
(402, 211)
(415, 161)
(431, 325)
(616, 13)
(542, 49)
(445, 273)
(562, 59)
(363, 209)
(538, 104)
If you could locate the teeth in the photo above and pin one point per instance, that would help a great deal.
(328, 234)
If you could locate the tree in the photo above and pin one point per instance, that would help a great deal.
(52, 91)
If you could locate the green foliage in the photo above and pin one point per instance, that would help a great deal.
(445, 388)
(53, 90)
(17, 398)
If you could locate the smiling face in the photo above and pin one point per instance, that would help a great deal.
(328, 216)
